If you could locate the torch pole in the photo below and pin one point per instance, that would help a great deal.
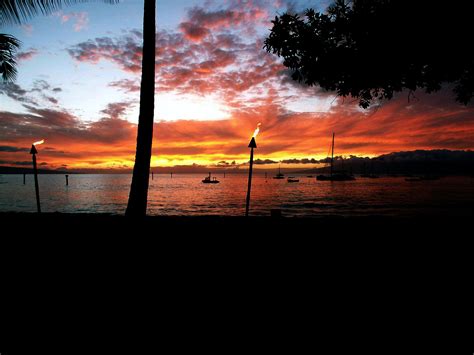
(35, 171)
(252, 145)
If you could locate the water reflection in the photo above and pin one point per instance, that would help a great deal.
(187, 195)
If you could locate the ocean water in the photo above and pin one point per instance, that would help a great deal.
(186, 195)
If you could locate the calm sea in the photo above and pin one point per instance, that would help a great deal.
(186, 195)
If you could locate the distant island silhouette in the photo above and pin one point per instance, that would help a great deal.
(441, 161)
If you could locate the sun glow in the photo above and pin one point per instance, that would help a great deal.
(172, 107)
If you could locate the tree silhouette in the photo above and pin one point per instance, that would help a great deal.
(371, 49)
(137, 201)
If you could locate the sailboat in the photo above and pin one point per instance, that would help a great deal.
(208, 180)
(335, 175)
(279, 176)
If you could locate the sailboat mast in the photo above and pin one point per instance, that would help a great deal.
(332, 153)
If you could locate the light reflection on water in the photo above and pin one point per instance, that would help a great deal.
(186, 195)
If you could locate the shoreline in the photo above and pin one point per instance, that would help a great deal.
(212, 225)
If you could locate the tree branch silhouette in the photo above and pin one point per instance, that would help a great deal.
(372, 49)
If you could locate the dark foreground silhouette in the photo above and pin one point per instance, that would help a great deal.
(169, 228)
(100, 284)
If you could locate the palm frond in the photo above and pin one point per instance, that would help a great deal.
(8, 71)
(8, 47)
(17, 11)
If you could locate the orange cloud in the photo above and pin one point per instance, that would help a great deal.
(110, 142)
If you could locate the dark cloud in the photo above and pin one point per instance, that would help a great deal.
(62, 126)
(437, 155)
(126, 85)
(233, 16)
(40, 86)
(19, 163)
(264, 162)
(51, 149)
(11, 149)
(125, 51)
(226, 164)
(301, 161)
(51, 119)
(52, 100)
(194, 32)
(41, 90)
(26, 55)
(116, 110)
(15, 92)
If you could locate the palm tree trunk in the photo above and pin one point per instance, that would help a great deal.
(137, 201)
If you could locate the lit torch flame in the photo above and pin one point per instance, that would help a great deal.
(39, 142)
(257, 130)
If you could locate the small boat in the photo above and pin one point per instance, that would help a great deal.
(209, 180)
(292, 179)
(335, 175)
(279, 176)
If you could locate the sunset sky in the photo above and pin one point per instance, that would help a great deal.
(78, 88)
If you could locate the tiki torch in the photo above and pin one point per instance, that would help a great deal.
(252, 145)
(33, 152)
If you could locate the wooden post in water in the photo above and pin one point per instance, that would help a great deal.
(67, 180)
(252, 145)
(171, 175)
(152, 175)
(33, 152)
(332, 154)
(24, 179)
